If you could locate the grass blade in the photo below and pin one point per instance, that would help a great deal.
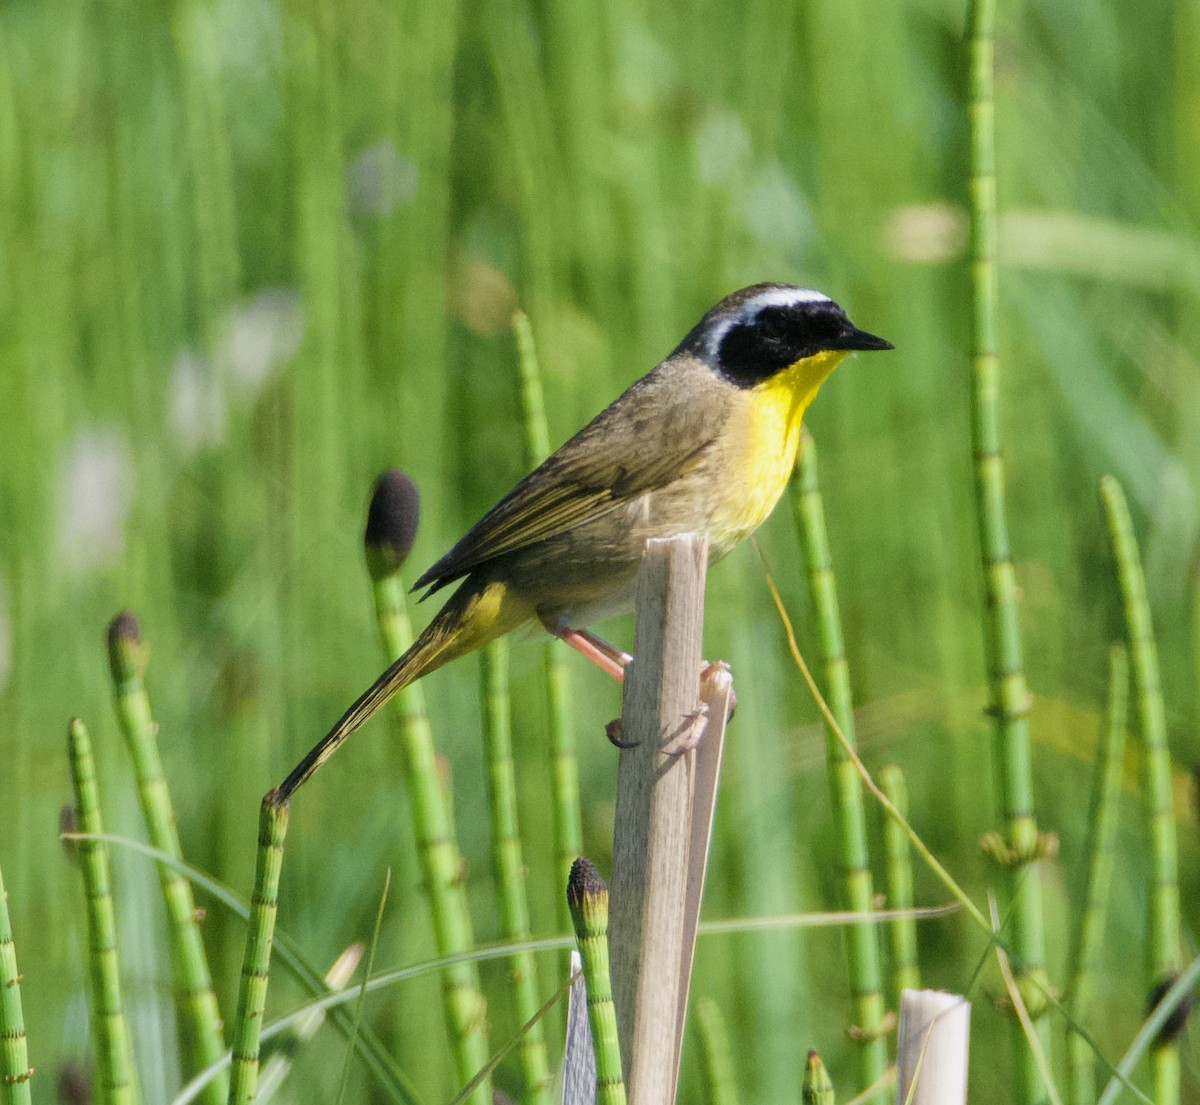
(362, 990)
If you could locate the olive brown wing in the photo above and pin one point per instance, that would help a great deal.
(638, 444)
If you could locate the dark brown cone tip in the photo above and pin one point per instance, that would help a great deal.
(583, 882)
(124, 627)
(75, 1083)
(126, 649)
(392, 520)
(1174, 1025)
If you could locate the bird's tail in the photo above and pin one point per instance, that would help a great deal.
(473, 617)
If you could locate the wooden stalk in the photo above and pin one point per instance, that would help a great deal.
(665, 796)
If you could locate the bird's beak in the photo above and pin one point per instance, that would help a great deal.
(852, 338)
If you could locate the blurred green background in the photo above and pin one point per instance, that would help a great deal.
(254, 251)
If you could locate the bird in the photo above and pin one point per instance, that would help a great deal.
(705, 443)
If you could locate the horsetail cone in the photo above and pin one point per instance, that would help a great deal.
(392, 520)
(128, 654)
(587, 895)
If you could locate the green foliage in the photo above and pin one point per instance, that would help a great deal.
(254, 253)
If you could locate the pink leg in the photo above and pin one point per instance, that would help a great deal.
(608, 657)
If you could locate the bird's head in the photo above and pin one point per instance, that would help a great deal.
(755, 333)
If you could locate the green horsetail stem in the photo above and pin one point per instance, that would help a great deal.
(817, 1087)
(115, 1073)
(1101, 861)
(716, 1058)
(564, 762)
(391, 527)
(127, 657)
(862, 937)
(15, 1071)
(905, 969)
(1156, 774)
(587, 899)
(1009, 697)
(256, 964)
(509, 869)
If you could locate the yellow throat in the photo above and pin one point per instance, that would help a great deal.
(768, 453)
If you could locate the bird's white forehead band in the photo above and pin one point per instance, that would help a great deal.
(772, 297)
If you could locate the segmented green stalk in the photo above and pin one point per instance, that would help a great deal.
(817, 1087)
(115, 1071)
(906, 971)
(716, 1059)
(15, 1071)
(1101, 852)
(127, 656)
(509, 869)
(1008, 693)
(587, 898)
(391, 525)
(1156, 773)
(256, 964)
(568, 816)
(862, 938)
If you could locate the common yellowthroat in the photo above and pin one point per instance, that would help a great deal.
(705, 443)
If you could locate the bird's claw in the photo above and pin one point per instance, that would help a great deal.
(615, 731)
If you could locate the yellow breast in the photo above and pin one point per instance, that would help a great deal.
(763, 448)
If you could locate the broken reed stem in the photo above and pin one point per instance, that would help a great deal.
(932, 1048)
(564, 762)
(127, 656)
(391, 527)
(509, 869)
(116, 1074)
(862, 938)
(1157, 800)
(905, 968)
(587, 902)
(256, 964)
(1101, 852)
(15, 1071)
(716, 1058)
(1009, 697)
